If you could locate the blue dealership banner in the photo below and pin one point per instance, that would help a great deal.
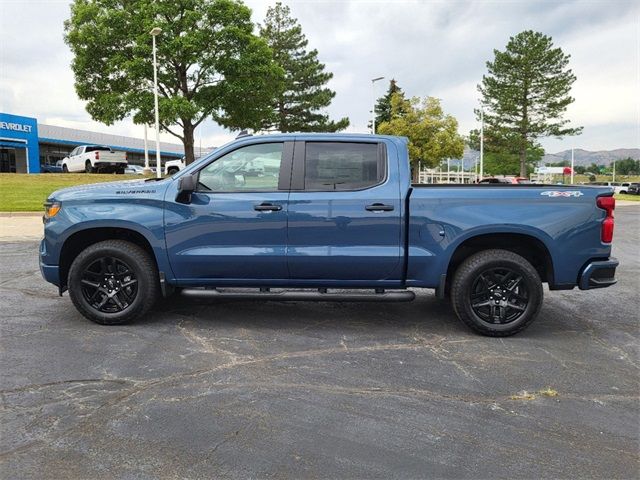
(21, 133)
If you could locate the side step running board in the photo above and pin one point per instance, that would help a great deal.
(320, 295)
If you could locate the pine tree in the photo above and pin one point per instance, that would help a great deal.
(299, 106)
(383, 105)
(527, 91)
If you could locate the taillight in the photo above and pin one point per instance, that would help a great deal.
(608, 204)
(97, 155)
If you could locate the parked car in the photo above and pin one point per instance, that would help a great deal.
(634, 189)
(173, 166)
(621, 188)
(510, 180)
(612, 185)
(340, 213)
(52, 168)
(94, 159)
(134, 170)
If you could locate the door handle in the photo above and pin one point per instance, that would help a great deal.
(379, 207)
(267, 207)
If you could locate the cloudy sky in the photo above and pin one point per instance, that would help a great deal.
(436, 48)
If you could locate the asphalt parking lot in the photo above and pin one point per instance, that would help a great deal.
(248, 389)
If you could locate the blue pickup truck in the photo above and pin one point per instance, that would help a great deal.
(329, 217)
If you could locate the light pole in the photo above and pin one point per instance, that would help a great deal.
(481, 142)
(614, 171)
(146, 151)
(572, 166)
(373, 110)
(154, 33)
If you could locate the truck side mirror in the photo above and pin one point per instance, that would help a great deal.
(186, 186)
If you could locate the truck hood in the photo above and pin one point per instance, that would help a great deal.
(121, 190)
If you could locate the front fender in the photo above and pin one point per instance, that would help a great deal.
(144, 218)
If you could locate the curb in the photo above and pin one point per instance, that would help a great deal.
(20, 214)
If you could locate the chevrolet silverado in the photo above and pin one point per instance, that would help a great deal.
(333, 217)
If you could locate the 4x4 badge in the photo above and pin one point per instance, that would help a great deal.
(556, 193)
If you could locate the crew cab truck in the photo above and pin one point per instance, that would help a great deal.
(94, 159)
(339, 212)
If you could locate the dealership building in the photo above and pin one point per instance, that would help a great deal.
(26, 146)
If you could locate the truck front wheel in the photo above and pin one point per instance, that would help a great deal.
(113, 282)
(496, 293)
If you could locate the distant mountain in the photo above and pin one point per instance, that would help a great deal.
(586, 157)
(581, 157)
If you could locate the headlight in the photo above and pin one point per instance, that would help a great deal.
(51, 209)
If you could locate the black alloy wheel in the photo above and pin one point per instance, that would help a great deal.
(113, 282)
(496, 292)
(499, 295)
(109, 285)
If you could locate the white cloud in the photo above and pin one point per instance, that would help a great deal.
(432, 48)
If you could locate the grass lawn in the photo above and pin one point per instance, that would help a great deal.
(633, 198)
(22, 192)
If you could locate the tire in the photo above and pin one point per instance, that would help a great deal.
(172, 170)
(131, 271)
(87, 167)
(120, 171)
(496, 293)
(65, 169)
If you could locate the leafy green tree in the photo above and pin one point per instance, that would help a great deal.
(433, 135)
(383, 105)
(596, 168)
(210, 64)
(527, 91)
(628, 166)
(298, 106)
(499, 158)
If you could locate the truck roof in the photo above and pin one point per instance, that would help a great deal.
(318, 136)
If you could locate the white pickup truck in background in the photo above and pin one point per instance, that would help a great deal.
(173, 166)
(94, 159)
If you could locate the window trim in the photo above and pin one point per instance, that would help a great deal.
(298, 178)
(284, 177)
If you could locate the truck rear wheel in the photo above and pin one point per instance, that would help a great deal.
(496, 293)
(87, 167)
(113, 282)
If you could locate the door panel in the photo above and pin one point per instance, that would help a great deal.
(344, 234)
(230, 230)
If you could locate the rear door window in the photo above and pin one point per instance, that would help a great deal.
(331, 166)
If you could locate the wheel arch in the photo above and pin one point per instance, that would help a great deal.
(526, 245)
(78, 241)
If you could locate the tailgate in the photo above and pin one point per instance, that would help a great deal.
(114, 157)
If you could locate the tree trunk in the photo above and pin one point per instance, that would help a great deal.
(415, 173)
(523, 161)
(188, 131)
